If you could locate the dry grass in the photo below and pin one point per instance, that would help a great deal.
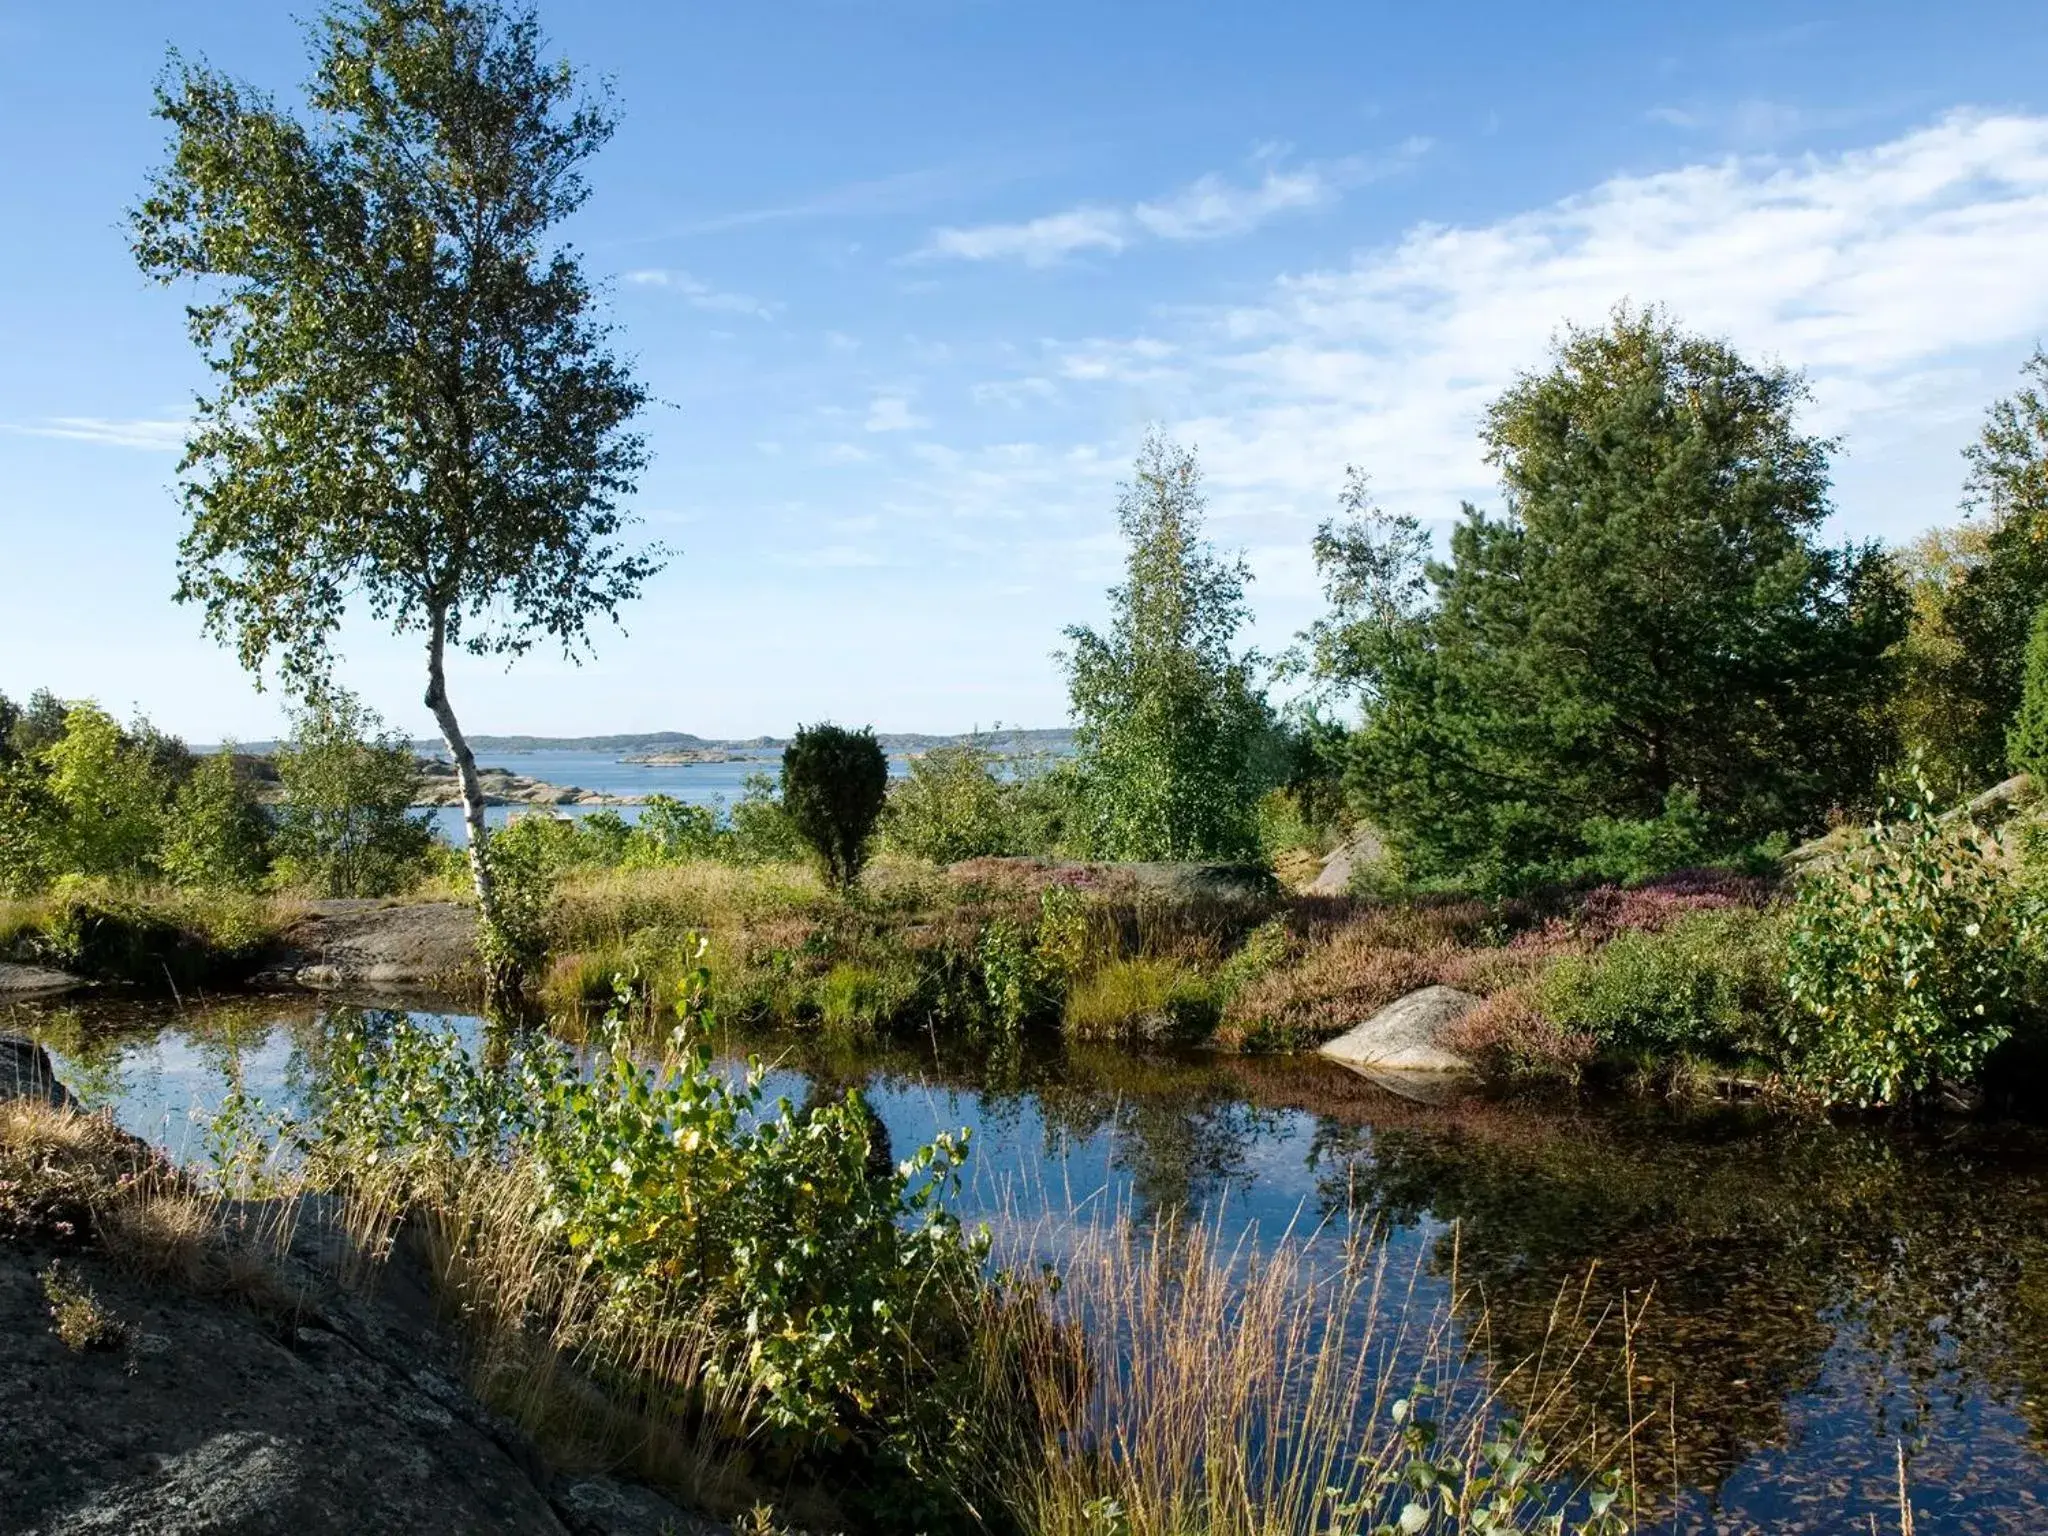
(1188, 1385)
(594, 1386)
(77, 1179)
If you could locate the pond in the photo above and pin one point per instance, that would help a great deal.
(1817, 1295)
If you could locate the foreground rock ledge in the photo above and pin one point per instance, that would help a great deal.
(376, 944)
(1408, 1035)
(285, 1404)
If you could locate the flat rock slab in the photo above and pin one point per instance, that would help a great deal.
(376, 944)
(1407, 1034)
(20, 980)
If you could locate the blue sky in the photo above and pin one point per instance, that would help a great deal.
(911, 277)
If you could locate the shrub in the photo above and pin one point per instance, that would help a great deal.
(670, 832)
(952, 806)
(218, 835)
(1712, 982)
(1146, 997)
(30, 831)
(834, 783)
(346, 827)
(693, 1202)
(1909, 960)
(110, 795)
(762, 830)
(2026, 743)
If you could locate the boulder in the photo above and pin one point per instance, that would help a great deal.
(17, 980)
(376, 944)
(26, 1073)
(1360, 850)
(1407, 1034)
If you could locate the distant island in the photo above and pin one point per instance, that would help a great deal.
(682, 747)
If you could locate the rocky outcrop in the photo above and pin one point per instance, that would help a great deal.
(34, 980)
(1408, 1035)
(26, 1073)
(373, 944)
(1361, 850)
(267, 1398)
(440, 786)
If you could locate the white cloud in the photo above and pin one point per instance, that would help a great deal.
(1036, 242)
(892, 413)
(1211, 207)
(1906, 279)
(1208, 208)
(155, 436)
(699, 294)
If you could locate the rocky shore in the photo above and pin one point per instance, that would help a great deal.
(171, 1364)
(439, 786)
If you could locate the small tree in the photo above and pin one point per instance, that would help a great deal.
(346, 827)
(953, 806)
(1171, 723)
(834, 784)
(110, 793)
(416, 411)
(2027, 741)
(217, 834)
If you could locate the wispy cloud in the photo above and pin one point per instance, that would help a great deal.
(699, 294)
(1208, 208)
(1036, 242)
(154, 436)
(1890, 274)
(892, 413)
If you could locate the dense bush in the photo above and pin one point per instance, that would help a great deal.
(346, 826)
(1911, 960)
(217, 834)
(699, 1207)
(1711, 984)
(2026, 746)
(834, 784)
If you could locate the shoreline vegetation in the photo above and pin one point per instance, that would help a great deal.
(1573, 762)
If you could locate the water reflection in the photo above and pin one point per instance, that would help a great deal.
(1814, 1294)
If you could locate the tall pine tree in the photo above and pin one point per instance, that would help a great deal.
(1650, 626)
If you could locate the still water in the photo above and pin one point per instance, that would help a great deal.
(712, 784)
(1818, 1296)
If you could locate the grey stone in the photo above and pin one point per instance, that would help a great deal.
(1407, 1034)
(355, 944)
(603, 1506)
(26, 1073)
(1362, 849)
(33, 979)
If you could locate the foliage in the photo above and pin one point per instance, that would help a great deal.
(670, 832)
(30, 857)
(1170, 721)
(415, 407)
(1910, 960)
(953, 805)
(218, 835)
(1146, 997)
(834, 784)
(1711, 984)
(109, 793)
(1651, 615)
(1980, 587)
(524, 867)
(762, 830)
(345, 827)
(2026, 744)
(694, 1202)
(1372, 565)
